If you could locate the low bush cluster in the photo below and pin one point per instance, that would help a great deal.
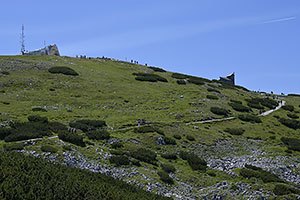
(194, 161)
(291, 123)
(169, 156)
(176, 136)
(288, 107)
(293, 116)
(213, 90)
(157, 69)
(144, 155)
(148, 129)
(196, 80)
(239, 107)
(36, 127)
(119, 160)
(283, 189)
(292, 143)
(164, 177)
(169, 140)
(258, 103)
(87, 125)
(190, 138)
(181, 82)
(12, 147)
(48, 148)
(149, 77)
(72, 138)
(39, 109)
(256, 172)
(98, 135)
(235, 101)
(168, 168)
(250, 118)
(213, 97)
(219, 111)
(235, 131)
(179, 76)
(27, 177)
(63, 70)
(117, 145)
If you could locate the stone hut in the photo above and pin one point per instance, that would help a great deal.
(48, 50)
(228, 79)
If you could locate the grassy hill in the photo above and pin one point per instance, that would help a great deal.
(173, 153)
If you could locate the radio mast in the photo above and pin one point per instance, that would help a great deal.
(22, 40)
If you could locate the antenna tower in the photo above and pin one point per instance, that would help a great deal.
(22, 40)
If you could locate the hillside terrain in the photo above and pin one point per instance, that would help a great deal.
(175, 135)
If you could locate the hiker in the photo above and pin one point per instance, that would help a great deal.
(139, 122)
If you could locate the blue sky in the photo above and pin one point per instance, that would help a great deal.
(259, 40)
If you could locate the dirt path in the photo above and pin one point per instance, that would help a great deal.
(270, 111)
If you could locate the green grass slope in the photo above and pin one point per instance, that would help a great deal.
(174, 107)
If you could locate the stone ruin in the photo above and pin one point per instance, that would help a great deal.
(48, 50)
(228, 79)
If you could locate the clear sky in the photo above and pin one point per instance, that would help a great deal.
(259, 40)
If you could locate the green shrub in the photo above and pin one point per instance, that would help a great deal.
(157, 69)
(190, 138)
(169, 140)
(288, 107)
(294, 95)
(239, 107)
(169, 156)
(119, 160)
(164, 177)
(144, 155)
(57, 126)
(235, 131)
(145, 129)
(291, 123)
(27, 177)
(72, 138)
(213, 97)
(181, 82)
(283, 189)
(38, 109)
(48, 148)
(250, 118)
(149, 77)
(213, 90)
(176, 136)
(117, 145)
(28, 130)
(194, 161)
(196, 80)
(257, 102)
(13, 147)
(37, 118)
(252, 167)
(292, 143)
(5, 73)
(98, 135)
(211, 173)
(259, 173)
(86, 125)
(219, 111)
(235, 101)
(168, 168)
(256, 106)
(179, 76)
(4, 132)
(293, 116)
(63, 70)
